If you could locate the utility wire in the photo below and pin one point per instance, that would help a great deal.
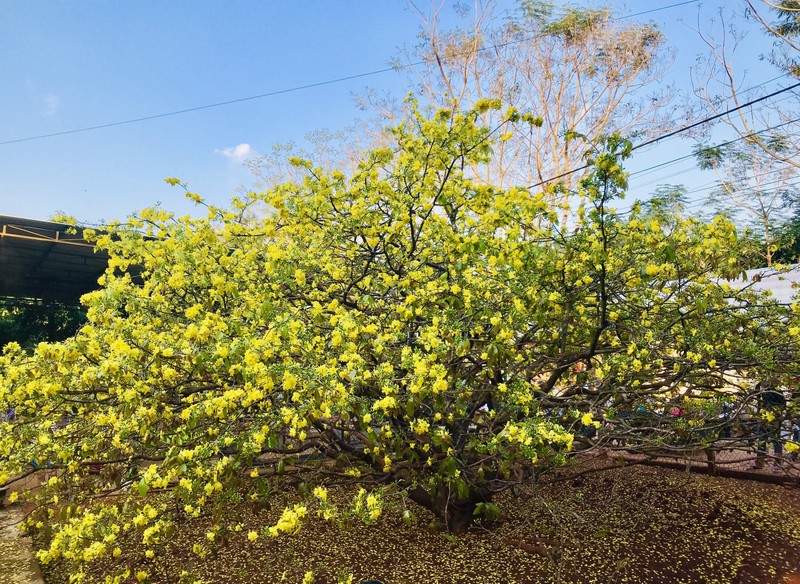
(710, 184)
(287, 90)
(656, 9)
(676, 132)
(204, 107)
(720, 145)
(687, 156)
(787, 183)
(715, 117)
(715, 183)
(662, 179)
(697, 203)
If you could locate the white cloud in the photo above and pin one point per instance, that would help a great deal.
(46, 104)
(238, 153)
(51, 104)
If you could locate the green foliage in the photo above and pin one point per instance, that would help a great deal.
(572, 24)
(29, 323)
(488, 511)
(666, 203)
(537, 10)
(708, 157)
(788, 13)
(407, 327)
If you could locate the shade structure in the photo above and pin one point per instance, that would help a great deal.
(49, 261)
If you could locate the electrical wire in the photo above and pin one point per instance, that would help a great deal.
(720, 145)
(656, 9)
(283, 91)
(678, 131)
(692, 155)
(699, 202)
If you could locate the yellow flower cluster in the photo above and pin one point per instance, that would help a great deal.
(408, 313)
(290, 521)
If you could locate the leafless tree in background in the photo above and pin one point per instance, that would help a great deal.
(582, 71)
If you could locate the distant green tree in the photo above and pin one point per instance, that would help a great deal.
(666, 202)
(789, 249)
(29, 323)
(755, 189)
(785, 28)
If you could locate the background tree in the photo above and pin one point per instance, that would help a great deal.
(719, 82)
(587, 72)
(789, 247)
(31, 322)
(754, 189)
(785, 28)
(409, 329)
(667, 202)
(330, 150)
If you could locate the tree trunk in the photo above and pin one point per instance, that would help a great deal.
(456, 513)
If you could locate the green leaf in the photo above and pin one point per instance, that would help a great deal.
(701, 304)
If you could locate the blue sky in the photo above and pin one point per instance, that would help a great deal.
(67, 65)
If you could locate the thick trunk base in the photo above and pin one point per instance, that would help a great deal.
(456, 513)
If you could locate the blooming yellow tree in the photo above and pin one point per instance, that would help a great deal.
(404, 327)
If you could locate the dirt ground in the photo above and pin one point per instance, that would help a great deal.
(632, 524)
(17, 564)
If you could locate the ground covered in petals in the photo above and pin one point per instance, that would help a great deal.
(633, 524)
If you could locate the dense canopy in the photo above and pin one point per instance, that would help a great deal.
(405, 328)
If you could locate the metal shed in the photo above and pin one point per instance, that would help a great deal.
(44, 260)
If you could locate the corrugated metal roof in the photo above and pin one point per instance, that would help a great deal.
(47, 260)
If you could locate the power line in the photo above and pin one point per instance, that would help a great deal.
(697, 203)
(656, 9)
(676, 132)
(716, 183)
(720, 145)
(787, 183)
(286, 90)
(661, 179)
(715, 117)
(204, 107)
(688, 156)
